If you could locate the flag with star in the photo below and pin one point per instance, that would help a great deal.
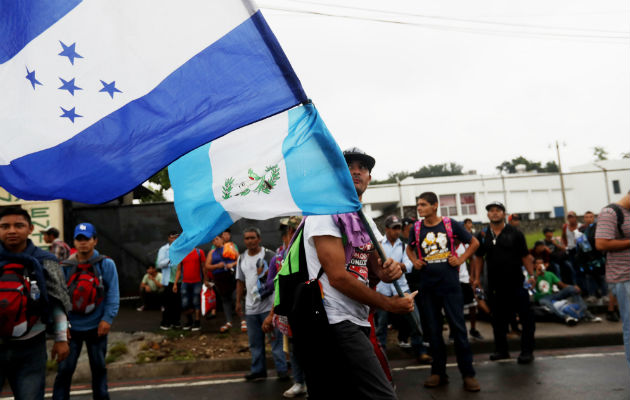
(97, 96)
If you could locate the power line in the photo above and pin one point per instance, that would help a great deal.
(463, 29)
(455, 19)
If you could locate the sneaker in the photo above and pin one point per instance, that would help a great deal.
(177, 326)
(256, 377)
(165, 327)
(283, 376)
(435, 381)
(591, 300)
(605, 299)
(141, 308)
(471, 384)
(571, 321)
(243, 326)
(499, 356)
(225, 327)
(525, 358)
(425, 359)
(404, 345)
(196, 326)
(297, 389)
(187, 326)
(475, 334)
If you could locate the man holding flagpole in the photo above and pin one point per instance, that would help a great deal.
(340, 246)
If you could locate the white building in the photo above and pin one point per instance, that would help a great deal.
(587, 187)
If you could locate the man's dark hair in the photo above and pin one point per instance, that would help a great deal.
(252, 229)
(538, 258)
(467, 219)
(589, 212)
(16, 210)
(547, 229)
(429, 197)
(173, 233)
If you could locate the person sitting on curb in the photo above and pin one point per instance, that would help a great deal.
(151, 289)
(545, 296)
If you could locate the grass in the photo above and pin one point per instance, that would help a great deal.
(115, 352)
(531, 238)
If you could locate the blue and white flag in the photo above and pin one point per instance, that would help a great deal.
(97, 96)
(288, 164)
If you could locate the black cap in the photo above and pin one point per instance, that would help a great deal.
(51, 231)
(355, 153)
(392, 221)
(495, 204)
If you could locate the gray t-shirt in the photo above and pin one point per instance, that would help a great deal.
(251, 270)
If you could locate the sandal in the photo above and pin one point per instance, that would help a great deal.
(243, 326)
(225, 327)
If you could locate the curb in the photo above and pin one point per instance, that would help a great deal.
(129, 371)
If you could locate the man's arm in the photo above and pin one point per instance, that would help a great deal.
(455, 261)
(476, 267)
(528, 262)
(612, 244)
(112, 296)
(417, 264)
(162, 260)
(178, 273)
(240, 292)
(332, 258)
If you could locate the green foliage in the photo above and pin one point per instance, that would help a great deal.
(227, 188)
(115, 352)
(600, 153)
(510, 166)
(446, 169)
(163, 181)
(625, 155)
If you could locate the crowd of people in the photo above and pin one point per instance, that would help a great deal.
(419, 275)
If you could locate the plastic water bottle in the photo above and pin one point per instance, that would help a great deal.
(34, 290)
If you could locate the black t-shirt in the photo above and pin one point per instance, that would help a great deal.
(504, 256)
(435, 247)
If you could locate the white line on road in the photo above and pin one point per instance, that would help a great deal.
(236, 380)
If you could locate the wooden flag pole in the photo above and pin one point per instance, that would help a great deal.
(413, 317)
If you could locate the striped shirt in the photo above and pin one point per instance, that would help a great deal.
(617, 262)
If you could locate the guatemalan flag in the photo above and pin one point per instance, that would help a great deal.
(288, 164)
(98, 95)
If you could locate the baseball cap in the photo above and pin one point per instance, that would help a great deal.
(392, 221)
(85, 229)
(51, 231)
(355, 153)
(292, 222)
(495, 204)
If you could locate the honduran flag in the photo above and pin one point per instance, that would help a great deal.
(98, 95)
(288, 164)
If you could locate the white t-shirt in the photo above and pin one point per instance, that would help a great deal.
(572, 236)
(338, 306)
(463, 270)
(247, 272)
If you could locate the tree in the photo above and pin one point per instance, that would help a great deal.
(510, 166)
(625, 155)
(600, 153)
(162, 180)
(439, 170)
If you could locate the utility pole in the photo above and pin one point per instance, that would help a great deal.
(400, 198)
(605, 181)
(564, 196)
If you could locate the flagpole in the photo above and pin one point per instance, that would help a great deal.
(412, 317)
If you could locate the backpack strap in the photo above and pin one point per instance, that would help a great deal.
(620, 217)
(448, 225)
(417, 227)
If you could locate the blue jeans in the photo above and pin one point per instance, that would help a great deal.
(569, 292)
(96, 349)
(453, 304)
(23, 363)
(622, 292)
(256, 338)
(298, 373)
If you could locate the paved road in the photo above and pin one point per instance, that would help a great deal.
(585, 373)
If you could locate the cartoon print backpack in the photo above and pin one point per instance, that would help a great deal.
(449, 233)
(21, 301)
(85, 285)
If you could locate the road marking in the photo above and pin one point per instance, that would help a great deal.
(513, 360)
(209, 382)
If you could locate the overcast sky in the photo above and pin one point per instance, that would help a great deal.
(472, 82)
